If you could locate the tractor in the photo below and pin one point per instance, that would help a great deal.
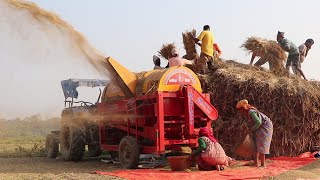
(79, 123)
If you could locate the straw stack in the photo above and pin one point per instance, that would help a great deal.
(292, 104)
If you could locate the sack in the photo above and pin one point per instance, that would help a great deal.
(247, 148)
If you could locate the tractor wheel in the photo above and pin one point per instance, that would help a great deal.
(129, 152)
(52, 146)
(94, 150)
(72, 142)
(93, 140)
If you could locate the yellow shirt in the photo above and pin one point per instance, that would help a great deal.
(206, 38)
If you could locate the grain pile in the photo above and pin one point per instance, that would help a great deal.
(292, 104)
(269, 50)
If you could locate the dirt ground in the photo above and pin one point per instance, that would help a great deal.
(44, 168)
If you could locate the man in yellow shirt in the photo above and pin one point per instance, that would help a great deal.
(207, 51)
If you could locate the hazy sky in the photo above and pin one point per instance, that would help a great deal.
(133, 31)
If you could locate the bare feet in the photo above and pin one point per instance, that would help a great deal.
(218, 167)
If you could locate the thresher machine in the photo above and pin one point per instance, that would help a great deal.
(139, 113)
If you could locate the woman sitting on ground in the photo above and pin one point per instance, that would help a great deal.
(209, 155)
(261, 129)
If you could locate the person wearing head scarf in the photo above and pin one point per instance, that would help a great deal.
(294, 54)
(261, 128)
(175, 60)
(210, 154)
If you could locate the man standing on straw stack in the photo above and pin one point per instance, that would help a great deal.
(304, 49)
(294, 54)
(207, 51)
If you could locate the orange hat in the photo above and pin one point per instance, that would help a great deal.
(244, 104)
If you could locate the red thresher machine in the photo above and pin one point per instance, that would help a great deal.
(151, 112)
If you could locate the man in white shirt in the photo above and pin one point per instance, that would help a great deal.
(303, 50)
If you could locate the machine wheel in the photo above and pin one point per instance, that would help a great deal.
(72, 142)
(52, 146)
(129, 152)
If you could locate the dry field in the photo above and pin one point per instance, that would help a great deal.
(44, 168)
(22, 147)
(24, 158)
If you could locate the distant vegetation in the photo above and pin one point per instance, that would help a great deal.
(25, 137)
(32, 126)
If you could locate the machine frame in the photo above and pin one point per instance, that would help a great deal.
(159, 122)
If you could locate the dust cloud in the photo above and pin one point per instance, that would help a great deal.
(38, 50)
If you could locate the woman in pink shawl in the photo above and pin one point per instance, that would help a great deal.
(209, 155)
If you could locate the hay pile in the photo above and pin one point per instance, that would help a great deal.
(292, 104)
(189, 44)
(269, 50)
(166, 49)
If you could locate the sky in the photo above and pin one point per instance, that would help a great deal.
(32, 65)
